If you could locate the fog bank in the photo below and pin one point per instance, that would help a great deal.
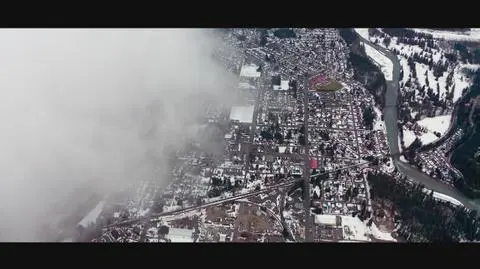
(83, 108)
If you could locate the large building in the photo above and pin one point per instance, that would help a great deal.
(242, 114)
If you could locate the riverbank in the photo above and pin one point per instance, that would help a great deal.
(391, 118)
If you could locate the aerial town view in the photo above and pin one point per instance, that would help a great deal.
(317, 135)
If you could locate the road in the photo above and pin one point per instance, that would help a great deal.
(390, 117)
(218, 202)
(306, 172)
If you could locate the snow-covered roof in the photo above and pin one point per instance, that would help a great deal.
(92, 216)
(284, 86)
(326, 219)
(243, 114)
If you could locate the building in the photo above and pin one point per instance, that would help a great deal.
(328, 220)
(242, 114)
(284, 86)
(313, 164)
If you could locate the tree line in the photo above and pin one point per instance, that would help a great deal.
(422, 217)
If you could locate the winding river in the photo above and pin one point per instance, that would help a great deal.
(390, 116)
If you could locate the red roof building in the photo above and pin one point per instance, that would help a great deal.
(313, 164)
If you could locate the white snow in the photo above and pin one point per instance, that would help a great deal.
(92, 217)
(243, 114)
(405, 67)
(461, 82)
(472, 35)
(317, 190)
(436, 124)
(355, 229)
(363, 32)
(250, 70)
(470, 66)
(380, 234)
(443, 197)
(378, 124)
(380, 60)
(408, 137)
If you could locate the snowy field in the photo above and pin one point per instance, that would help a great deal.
(408, 137)
(472, 35)
(438, 124)
(363, 32)
(243, 114)
(380, 60)
(249, 70)
(423, 72)
(443, 197)
(92, 217)
(355, 229)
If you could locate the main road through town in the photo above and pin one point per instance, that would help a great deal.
(390, 116)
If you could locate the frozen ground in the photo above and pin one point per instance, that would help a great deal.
(443, 197)
(472, 35)
(380, 60)
(249, 70)
(378, 124)
(430, 125)
(363, 32)
(355, 229)
(438, 124)
(408, 137)
(460, 81)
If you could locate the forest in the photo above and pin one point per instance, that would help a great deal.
(364, 69)
(420, 216)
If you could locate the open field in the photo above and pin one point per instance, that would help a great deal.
(331, 85)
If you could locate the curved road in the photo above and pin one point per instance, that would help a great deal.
(390, 116)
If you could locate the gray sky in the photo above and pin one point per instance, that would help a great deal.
(73, 111)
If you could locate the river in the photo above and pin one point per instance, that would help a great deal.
(390, 117)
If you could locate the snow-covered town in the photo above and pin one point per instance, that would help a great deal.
(296, 152)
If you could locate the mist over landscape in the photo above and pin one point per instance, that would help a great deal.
(85, 110)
